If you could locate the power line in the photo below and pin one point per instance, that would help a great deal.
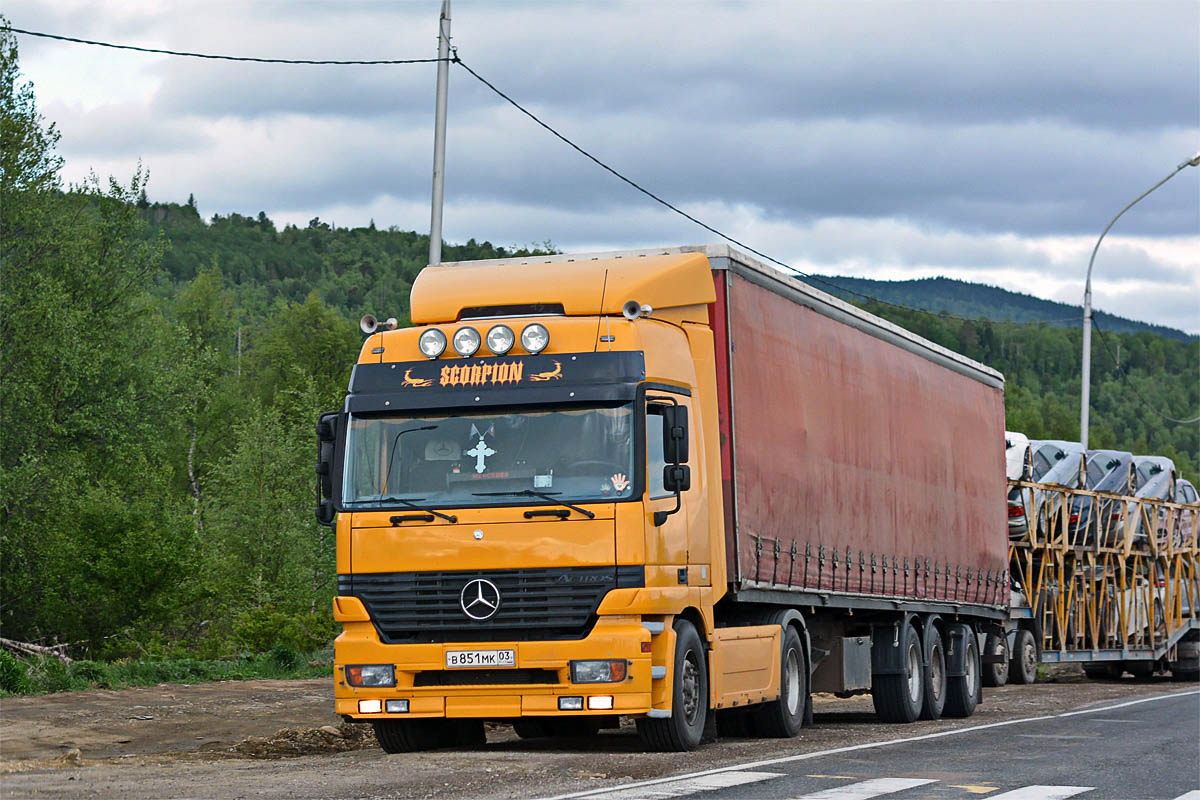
(1125, 377)
(254, 59)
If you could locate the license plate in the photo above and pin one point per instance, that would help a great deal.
(463, 659)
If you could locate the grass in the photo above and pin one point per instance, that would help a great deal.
(46, 675)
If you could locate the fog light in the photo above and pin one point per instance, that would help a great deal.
(603, 702)
(371, 675)
(466, 341)
(397, 706)
(608, 671)
(370, 706)
(432, 342)
(570, 704)
(534, 338)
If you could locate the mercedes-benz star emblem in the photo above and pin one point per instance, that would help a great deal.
(480, 599)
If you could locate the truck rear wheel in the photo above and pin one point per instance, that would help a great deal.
(996, 674)
(782, 718)
(963, 692)
(1023, 666)
(684, 727)
(900, 697)
(934, 675)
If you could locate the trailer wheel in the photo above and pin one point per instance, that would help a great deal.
(963, 692)
(1023, 666)
(934, 675)
(996, 674)
(899, 697)
(782, 718)
(683, 729)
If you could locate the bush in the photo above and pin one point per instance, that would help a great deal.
(13, 677)
(90, 672)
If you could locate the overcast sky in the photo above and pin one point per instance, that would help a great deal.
(990, 142)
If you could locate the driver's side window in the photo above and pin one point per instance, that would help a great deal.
(655, 460)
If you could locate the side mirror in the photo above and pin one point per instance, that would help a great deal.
(327, 436)
(677, 477)
(675, 434)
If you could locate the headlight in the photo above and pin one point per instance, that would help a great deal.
(371, 675)
(466, 341)
(612, 671)
(500, 339)
(534, 338)
(432, 342)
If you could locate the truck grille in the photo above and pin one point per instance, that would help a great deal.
(561, 603)
(485, 677)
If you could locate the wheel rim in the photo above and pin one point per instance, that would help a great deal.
(914, 673)
(689, 685)
(1029, 658)
(937, 674)
(792, 686)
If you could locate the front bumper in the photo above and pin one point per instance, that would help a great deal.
(547, 662)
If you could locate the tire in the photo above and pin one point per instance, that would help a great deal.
(683, 729)
(899, 698)
(412, 735)
(933, 675)
(531, 728)
(963, 692)
(995, 675)
(783, 718)
(1022, 666)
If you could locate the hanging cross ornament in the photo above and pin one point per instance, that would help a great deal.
(480, 451)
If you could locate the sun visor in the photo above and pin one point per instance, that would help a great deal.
(582, 288)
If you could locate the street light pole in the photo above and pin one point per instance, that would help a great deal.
(1087, 303)
(439, 136)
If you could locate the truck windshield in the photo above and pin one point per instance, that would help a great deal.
(443, 461)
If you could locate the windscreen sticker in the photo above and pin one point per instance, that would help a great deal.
(543, 481)
(620, 482)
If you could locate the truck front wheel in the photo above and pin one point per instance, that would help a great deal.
(689, 697)
(782, 718)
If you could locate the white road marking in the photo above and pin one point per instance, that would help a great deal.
(870, 745)
(867, 789)
(1194, 794)
(679, 788)
(1042, 793)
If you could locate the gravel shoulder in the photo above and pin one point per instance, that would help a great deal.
(241, 739)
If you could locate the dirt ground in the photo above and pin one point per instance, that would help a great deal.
(240, 739)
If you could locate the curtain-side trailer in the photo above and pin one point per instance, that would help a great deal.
(675, 485)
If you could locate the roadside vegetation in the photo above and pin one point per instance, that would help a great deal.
(160, 376)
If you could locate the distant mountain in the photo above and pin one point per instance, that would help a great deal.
(966, 299)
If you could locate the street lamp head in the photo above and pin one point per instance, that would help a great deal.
(1194, 161)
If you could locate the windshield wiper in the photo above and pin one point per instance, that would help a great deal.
(549, 497)
(408, 501)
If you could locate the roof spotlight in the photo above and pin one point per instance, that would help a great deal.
(535, 338)
(500, 339)
(466, 341)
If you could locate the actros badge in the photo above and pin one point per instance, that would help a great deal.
(480, 599)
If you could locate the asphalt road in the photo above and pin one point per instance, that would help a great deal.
(1140, 748)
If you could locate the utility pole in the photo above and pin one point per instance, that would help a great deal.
(439, 135)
